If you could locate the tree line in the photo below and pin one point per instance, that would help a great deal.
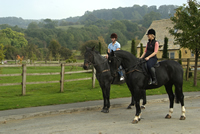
(56, 38)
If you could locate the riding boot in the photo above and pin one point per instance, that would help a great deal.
(153, 75)
(150, 81)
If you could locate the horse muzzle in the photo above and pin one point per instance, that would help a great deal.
(86, 66)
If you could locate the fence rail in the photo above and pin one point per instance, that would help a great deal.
(61, 81)
(62, 73)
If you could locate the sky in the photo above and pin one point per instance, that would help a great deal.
(61, 9)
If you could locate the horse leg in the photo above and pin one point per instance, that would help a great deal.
(180, 98)
(132, 98)
(144, 99)
(106, 96)
(132, 102)
(137, 97)
(168, 88)
(104, 102)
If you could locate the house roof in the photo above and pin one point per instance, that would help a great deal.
(160, 26)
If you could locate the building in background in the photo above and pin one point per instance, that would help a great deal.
(160, 26)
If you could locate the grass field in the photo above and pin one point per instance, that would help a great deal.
(48, 94)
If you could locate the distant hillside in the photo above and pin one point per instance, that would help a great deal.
(134, 13)
(13, 21)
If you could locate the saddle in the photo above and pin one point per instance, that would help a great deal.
(146, 69)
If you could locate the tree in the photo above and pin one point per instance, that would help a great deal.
(100, 47)
(2, 52)
(141, 49)
(180, 61)
(91, 43)
(165, 48)
(186, 29)
(148, 18)
(133, 48)
(14, 38)
(54, 47)
(33, 25)
(65, 52)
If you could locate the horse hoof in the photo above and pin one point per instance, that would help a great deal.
(182, 118)
(134, 121)
(168, 116)
(129, 107)
(142, 107)
(105, 111)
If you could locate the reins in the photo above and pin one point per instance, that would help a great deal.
(134, 68)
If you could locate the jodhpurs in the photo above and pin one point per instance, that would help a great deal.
(151, 62)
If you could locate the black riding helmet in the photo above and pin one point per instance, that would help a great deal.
(113, 35)
(151, 31)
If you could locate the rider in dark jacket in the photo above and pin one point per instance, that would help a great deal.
(150, 55)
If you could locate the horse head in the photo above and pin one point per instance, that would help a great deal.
(114, 63)
(88, 58)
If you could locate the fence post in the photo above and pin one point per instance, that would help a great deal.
(187, 70)
(93, 77)
(62, 74)
(24, 79)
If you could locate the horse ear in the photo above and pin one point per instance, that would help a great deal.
(93, 48)
(112, 53)
(86, 48)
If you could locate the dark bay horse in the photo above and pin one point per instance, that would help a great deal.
(169, 73)
(104, 77)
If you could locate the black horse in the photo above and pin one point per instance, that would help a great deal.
(104, 77)
(168, 73)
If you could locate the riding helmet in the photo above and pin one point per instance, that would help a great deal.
(151, 31)
(113, 35)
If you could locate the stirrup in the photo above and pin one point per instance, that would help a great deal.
(154, 82)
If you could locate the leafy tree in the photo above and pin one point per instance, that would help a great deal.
(11, 52)
(141, 49)
(54, 47)
(150, 17)
(14, 38)
(165, 48)
(91, 43)
(2, 52)
(65, 52)
(100, 47)
(180, 61)
(133, 48)
(33, 25)
(118, 25)
(186, 21)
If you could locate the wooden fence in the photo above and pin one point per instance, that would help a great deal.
(187, 65)
(61, 73)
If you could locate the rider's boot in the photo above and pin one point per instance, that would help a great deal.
(150, 81)
(153, 74)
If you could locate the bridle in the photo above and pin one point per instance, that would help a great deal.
(133, 68)
(92, 62)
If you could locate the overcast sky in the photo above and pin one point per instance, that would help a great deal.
(60, 9)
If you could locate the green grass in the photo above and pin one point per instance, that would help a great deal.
(49, 94)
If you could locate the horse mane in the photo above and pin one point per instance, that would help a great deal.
(125, 55)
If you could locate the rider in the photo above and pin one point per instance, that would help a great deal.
(150, 55)
(115, 45)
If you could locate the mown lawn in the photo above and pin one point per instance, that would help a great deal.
(48, 94)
